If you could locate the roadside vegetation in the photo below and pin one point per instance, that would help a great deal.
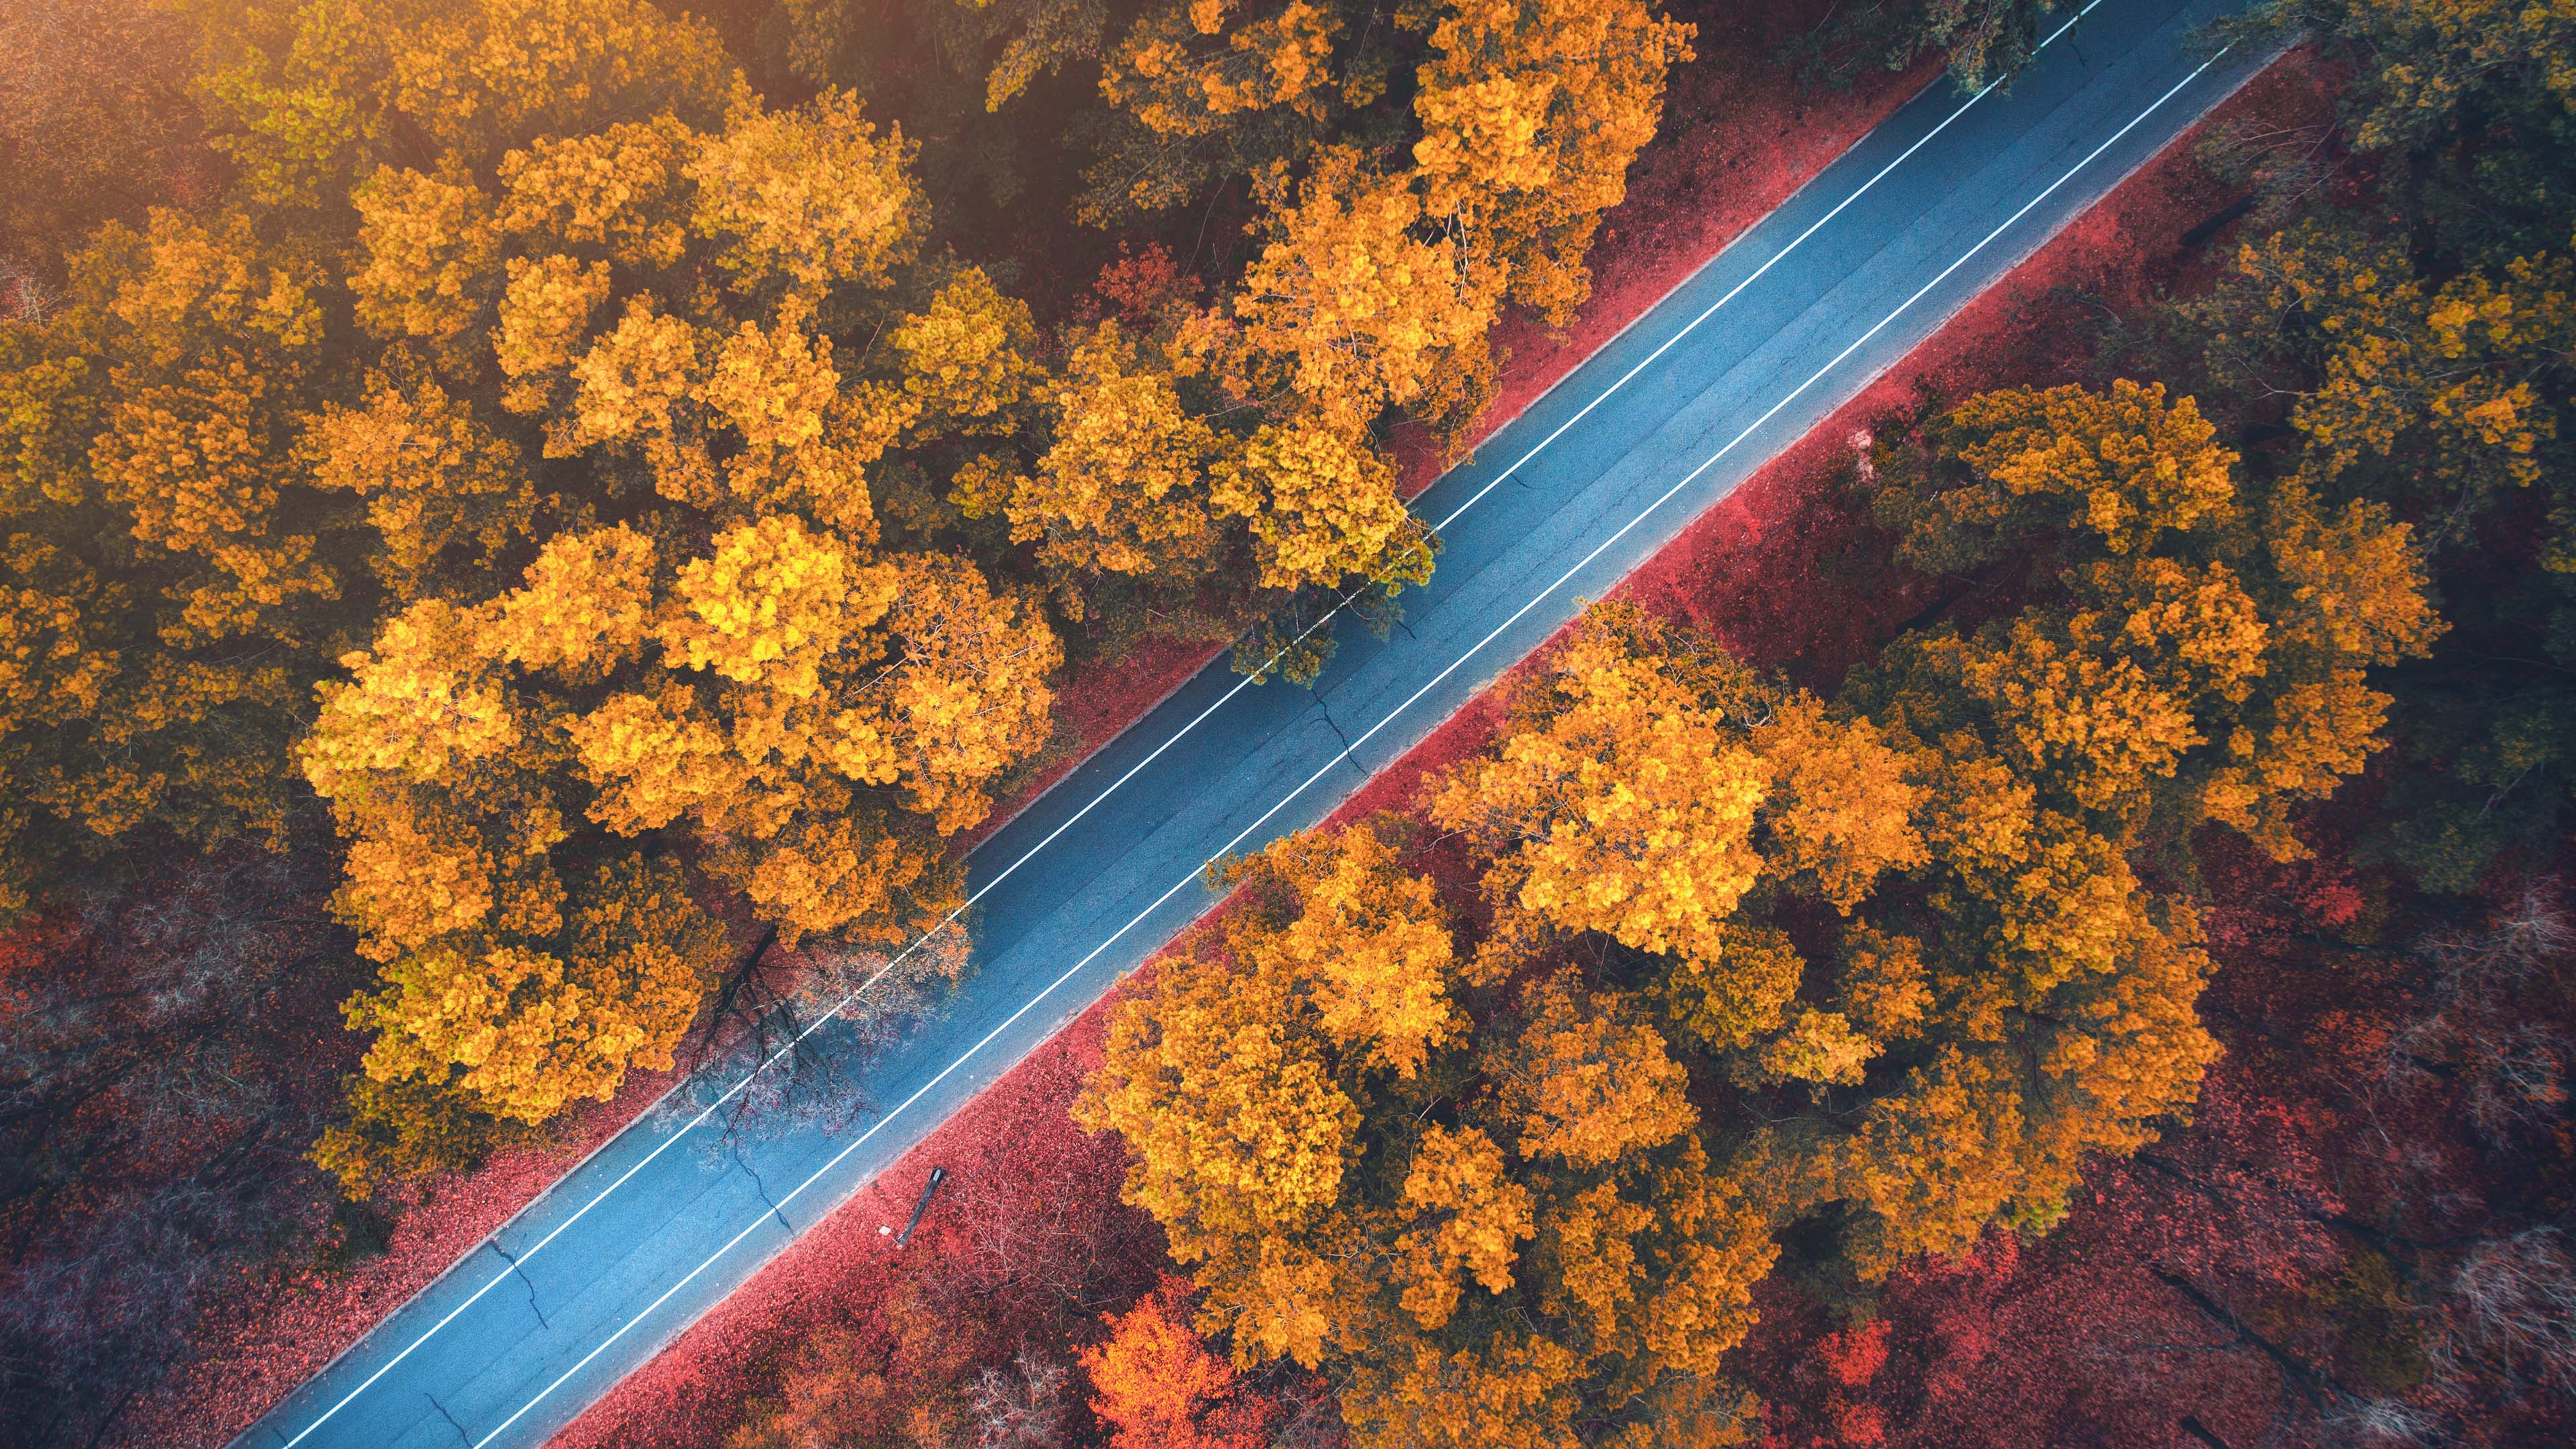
(530, 521)
(1694, 995)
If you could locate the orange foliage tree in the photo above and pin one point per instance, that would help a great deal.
(814, 717)
(517, 377)
(1484, 1202)
(1155, 1383)
(1898, 943)
(1850, 929)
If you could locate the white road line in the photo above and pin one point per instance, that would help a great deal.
(1757, 273)
(1561, 580)
(1240, 685)
(754, 1074)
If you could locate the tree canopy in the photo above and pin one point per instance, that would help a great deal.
(1754, 971)
(587, 472)
(1484, 1202)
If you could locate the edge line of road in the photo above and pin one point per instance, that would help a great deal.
(1562, 579)
(517, 1261)
(1754, 276)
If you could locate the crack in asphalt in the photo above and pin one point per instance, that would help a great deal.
(531, 1283)
(450, 1418)
(763, 1189)
(1335, 726)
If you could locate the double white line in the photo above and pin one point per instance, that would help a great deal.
(1194, 877)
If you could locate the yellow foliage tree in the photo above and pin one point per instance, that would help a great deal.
(2440, 378)
(219, 340)
(1123, 488)
(785, 699)
(2120, 467)
(1241, 80)
(1949, 930)
(635, 390)
(1622, 798)
(2200, 653)
(171, 579)
(803, 201)
(307, 99)
(525, 1032)
(443, 491)
(433, 259)
(1321, 507)
(1186, 67)
(1531, 111)
(802, 441)
(1842, 804)
(2425, 62)
(1545, 1243)
(546, 308)
(616, 194)
(967, 356)
(1350, 308)
(1377, 284)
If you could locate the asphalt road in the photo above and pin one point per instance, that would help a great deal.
(1797, 316)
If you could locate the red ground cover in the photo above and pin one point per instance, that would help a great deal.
(275, 1334)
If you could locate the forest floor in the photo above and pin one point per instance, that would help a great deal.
(1770, 571)
(1740, 137)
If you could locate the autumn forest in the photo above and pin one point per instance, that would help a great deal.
(538, 533)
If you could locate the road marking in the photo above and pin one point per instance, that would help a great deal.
(1561, 580)
(1711, 310)
(1228, 697)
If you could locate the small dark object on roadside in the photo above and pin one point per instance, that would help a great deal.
(938, 1175)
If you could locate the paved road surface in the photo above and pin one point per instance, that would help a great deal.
(1867, 261)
